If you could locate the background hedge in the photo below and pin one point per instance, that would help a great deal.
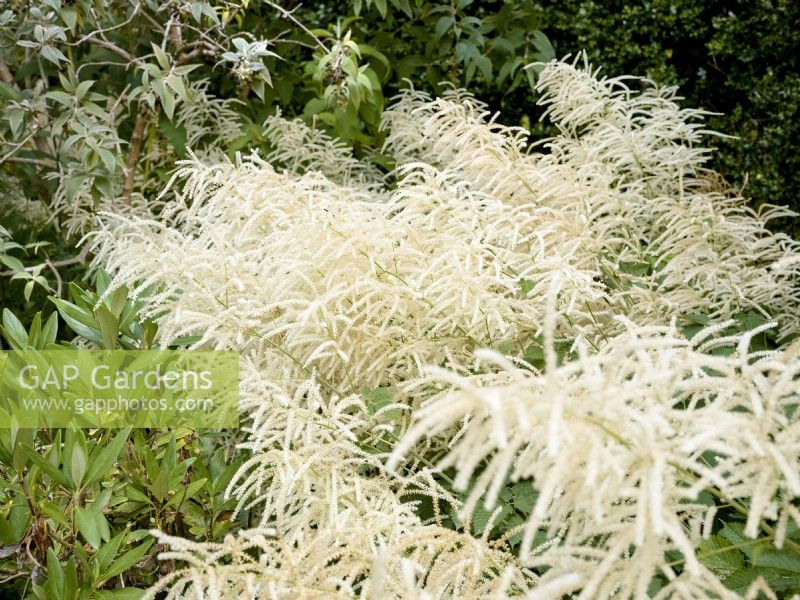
(738, 58)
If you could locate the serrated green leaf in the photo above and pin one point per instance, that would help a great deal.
(778, 559)
(717, 554)
(524, 496)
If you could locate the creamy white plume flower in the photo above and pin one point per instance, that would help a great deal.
(334, 281)
(625, 181)
(618, 444)
(711, 253)
(361, 293)
(300, 148)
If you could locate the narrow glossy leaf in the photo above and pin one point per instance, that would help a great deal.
(70, 579)
(87, 525)
(184, 494)
(50, 330)
(128, 593)
(127, 560)
(28, 290)
(44, 465)
(56, 513)
(102, 463)
(55, 574)
(106, 553)
(77, 464)
(109, 326)
(79, 321)
(160, 486)
(35, 331)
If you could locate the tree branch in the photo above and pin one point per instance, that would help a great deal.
(103, 43)
(288, 15)
(135, 149)
(39, 162)
(58, 263)
(5, 73)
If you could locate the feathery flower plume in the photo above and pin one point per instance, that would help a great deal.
(334, 281)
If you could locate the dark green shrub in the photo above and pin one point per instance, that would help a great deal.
(737, 58)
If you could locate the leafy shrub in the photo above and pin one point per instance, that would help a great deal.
(77, 505)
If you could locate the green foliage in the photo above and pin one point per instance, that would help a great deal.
(76, 505)
(109, 320)
(739, 560)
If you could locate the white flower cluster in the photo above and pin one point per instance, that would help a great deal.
(334, 283)
(301, 149)
(618, 445)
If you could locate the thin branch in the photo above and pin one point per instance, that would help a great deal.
(135, 148)
(104, 43)
(59, 283)
(14, 576)
(39, 162)
(57, 264)
(17, 146)
(205, 37)
(100, 63)
(5, 73)
(288, 15)
(156, 25)
(81, 257)
(198, 51)
(167, 31)
(176, 35)
(112, 112)
(89, 36)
